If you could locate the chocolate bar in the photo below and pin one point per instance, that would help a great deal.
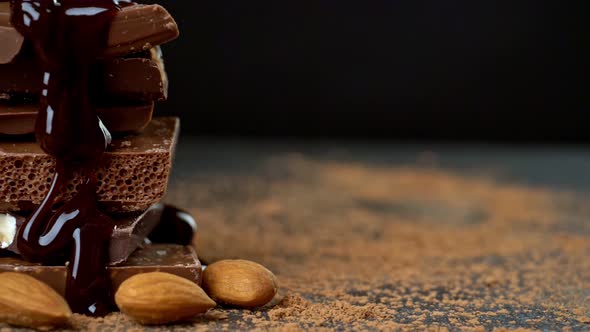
(132, 175)
(174, 259)
(135, 28)
(131, 79)
(129, 233)
(20, 119)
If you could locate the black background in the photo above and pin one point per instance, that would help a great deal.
(417, 69)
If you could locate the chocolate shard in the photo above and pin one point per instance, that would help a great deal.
(20, 119)
(122, 79)
(129, 233)
(136, 28)
(174, 259)
(132, 175)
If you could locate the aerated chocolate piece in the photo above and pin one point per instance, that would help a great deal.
(132, 175)
(136, 28)
(174, 259)
(20, 119)
(128, 79)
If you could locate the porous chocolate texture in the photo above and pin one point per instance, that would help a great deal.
(132, 176)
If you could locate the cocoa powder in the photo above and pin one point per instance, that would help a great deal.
(359, 247)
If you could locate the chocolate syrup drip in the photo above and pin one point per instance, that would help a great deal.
(177, 226)
(68, 36)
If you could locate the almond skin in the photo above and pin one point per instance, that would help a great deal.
(240, 283)
(28, 302)
(161, 298)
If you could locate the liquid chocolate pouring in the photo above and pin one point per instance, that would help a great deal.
(68, 36)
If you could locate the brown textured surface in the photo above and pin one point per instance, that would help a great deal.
(136, 28)
(363, 239)
(132, 175)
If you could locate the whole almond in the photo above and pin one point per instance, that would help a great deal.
(160, 298)
(28, 302)
(240, 283)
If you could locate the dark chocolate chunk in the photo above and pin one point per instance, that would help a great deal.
(19, 119)
(178, 260)
(131, 232)
(136, 28)
(121, 79)
(178, 227)
(132, 176)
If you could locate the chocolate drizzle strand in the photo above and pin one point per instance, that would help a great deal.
(68, 36)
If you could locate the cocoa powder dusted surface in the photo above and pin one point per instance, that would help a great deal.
(391, 237)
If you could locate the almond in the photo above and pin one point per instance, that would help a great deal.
(8, 225)
(240, 283)
(160, 298)
(27, 302)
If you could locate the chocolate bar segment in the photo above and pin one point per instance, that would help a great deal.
(130, 232)
(173, 259)
(136, 28)
(129, 79)
(132, 175)
(20, 119)
(135, 78)
(140, 27)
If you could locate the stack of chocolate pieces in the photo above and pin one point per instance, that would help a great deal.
(133, 173)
